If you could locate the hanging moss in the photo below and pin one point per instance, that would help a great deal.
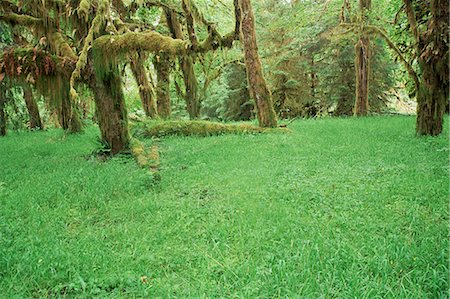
(47, 73)
(97, 22)
(26, 62)
(84, 8)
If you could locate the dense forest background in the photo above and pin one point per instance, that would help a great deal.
(312, 53)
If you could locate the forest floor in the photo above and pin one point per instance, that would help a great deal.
(350, 208)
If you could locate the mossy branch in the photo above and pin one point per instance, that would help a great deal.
(150, 41)
(21, 20)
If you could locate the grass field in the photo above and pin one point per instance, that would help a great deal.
(339, 208)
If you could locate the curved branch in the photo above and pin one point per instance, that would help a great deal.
(391, 45)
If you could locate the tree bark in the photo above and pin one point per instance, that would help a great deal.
(362, 65)
(162, 66)
(32, 107)
(145, 89)
(187, 67)
(191, 85)
(111, 111)
(3, 116)
(433, 91)
(62, 104)
(258, 87)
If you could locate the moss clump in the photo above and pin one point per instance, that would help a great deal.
(157, 128)
(147, 158)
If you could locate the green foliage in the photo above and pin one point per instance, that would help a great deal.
(229, 99)
(342, 208)
(310, 67)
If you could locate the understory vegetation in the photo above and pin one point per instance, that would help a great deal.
(342, 208)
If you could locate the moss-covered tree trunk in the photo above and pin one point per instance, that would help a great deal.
(162, 66)
(258, 87)
(62, 103)
(362, 65)
(433, 92)
(111, 111)
(187, 67)
(32, 107)
(145, 89)
(3, 118)
(431, 102)
(191, 85)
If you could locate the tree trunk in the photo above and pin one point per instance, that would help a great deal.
(3, 116)
(187, 67)
(162, 66)
(111, 112)
(191, 85)
(313, 78)
(145, 89)
(258, 87)
(433, 92)
(431, 103)
(32, 107)
(362, 65)
(67, 114)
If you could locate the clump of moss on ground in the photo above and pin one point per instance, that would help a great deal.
(157, 128)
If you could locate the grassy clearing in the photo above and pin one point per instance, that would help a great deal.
(339, 208)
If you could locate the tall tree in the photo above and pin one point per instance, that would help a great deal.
(430, 29)
(111, 110)
(163, 65)
(258, 87)
(362, 62)
(32, 107)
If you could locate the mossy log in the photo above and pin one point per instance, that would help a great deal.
(195, 128)
(145, 158)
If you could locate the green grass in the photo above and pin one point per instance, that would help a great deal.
(340, 208)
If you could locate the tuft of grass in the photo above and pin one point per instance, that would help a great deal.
(159, 128)
(340, 208)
